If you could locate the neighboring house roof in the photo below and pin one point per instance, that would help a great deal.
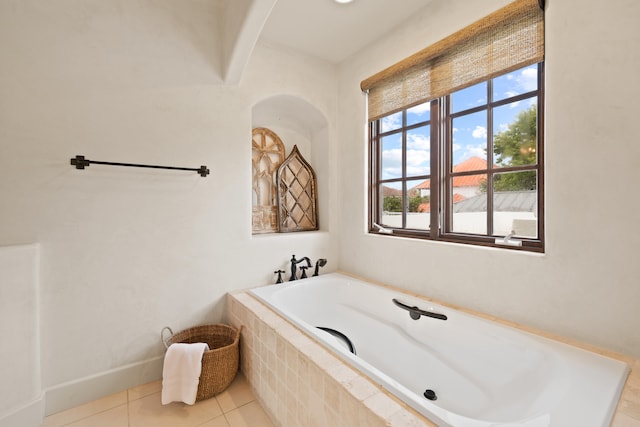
(471, 164)
(388, 191)
(506, 201)
(426, 207)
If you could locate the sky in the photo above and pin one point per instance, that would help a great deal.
(469, 131)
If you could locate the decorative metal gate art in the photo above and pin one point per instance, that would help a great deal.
(284, 191)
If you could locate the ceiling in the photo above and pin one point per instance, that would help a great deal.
(333, 31)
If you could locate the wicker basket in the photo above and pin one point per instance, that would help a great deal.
(219, 363)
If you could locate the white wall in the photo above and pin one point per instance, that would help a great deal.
(19, 328)
(586, 285)
(126, 251)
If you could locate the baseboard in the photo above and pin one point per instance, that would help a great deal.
(78, 392)
(29, 415)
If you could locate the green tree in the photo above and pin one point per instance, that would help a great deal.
(392, 204)
(416, 201)
(516, 146)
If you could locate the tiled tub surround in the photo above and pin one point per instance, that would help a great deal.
(300, 383)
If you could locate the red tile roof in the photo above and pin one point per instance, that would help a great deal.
(471, 164)
(426, 207)
(389, 191)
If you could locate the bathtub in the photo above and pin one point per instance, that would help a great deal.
(454, 368)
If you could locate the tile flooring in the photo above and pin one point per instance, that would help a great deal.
(141, 407)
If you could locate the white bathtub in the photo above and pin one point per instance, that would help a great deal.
(482, 373)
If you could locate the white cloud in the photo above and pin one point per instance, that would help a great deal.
(456, 147)
(417, 162)
(479, 132)
(474, 151)
(392, 157)
(393, 121)
(524, 81)
(417, 141)
(415, 171)
(528, 79)
(417, 157)
(420, 109)
(392, 163)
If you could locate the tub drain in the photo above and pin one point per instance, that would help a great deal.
(430, 394)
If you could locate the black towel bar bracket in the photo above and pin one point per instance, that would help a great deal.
(80, 163)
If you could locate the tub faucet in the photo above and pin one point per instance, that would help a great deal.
(320, 263)
(294, 266)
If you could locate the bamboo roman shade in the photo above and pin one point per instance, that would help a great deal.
(506, 40)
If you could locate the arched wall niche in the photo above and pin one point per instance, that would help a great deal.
(297, 122)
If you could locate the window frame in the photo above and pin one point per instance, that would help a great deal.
(441, 167)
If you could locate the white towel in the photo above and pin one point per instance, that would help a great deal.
(181, 372)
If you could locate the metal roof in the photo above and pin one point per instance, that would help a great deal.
(504, 201)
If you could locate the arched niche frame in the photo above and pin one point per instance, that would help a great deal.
(299, 123)
(297, 194)
(267, 154)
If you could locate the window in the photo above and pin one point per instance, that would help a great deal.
(456, 136)
(469, 162)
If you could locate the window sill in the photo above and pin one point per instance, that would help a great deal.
(528, 246)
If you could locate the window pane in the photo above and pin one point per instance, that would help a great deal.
(418, 151)
(469, 137)
(469, 204)
(392, 156)
(418, 208)
(470, 97)
(515, 83)
(515, 134)
(515, 204)
(391, 122)
(391, 199)
(418, 114)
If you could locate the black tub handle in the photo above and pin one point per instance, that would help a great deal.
(339, 335)
(415, 312)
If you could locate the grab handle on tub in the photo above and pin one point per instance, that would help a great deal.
(415, 312)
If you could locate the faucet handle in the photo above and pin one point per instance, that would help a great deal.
(279, 273)
(304, 272)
